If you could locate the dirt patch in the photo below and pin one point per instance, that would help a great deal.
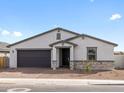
(60, 74)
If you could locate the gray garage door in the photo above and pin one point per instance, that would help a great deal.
(33, 58)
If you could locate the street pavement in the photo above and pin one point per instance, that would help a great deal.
(60, 85)
(60, 88)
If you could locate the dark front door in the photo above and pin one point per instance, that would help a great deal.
(65, 57)
(34, 58)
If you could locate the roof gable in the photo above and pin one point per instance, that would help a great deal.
(58, 28)
(105, 41)
(85, 35)
(63, 41)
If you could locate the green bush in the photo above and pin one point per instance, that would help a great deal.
(88, 67)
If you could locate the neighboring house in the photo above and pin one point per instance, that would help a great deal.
(4, 55)
(119, 59)
(4, 50)
(60, 47)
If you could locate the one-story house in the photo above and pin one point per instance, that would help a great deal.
(4, 55)
(60, 47)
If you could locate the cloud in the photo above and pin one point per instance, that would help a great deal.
(17, 34)
(92, 1)
(5, 32)
(56, 25)
(115, 17)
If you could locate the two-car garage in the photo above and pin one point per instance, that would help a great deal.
(34, 58)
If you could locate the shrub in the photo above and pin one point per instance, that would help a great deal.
(88, 67)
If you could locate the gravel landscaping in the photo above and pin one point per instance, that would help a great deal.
(60, 74)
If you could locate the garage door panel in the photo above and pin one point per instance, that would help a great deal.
(34, 58)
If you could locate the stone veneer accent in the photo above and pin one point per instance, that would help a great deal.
(97, 65)
(54, 64)
(71, 65)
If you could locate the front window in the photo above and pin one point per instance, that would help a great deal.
(58, 36)
(92, 53)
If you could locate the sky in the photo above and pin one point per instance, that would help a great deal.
(20, 19)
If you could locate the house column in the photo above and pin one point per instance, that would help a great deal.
(13, 58)
(72, 58)
(54, 60)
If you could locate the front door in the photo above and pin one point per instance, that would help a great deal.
(65, 57)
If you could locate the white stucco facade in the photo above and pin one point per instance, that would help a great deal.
(104, 50)
(79, 52)
(40, 42)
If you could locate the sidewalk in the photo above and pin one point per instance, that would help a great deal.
(60, 81)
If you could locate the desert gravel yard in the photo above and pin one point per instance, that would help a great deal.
(60, 74)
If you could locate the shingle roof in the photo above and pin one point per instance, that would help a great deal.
(84, 35)
(58, 28)
(105, 41)
(3, 47)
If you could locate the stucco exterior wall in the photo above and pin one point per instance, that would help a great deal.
(119, 61)
(41, 42)
(104, 50)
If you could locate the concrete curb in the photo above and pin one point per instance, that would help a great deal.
(60, 81)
